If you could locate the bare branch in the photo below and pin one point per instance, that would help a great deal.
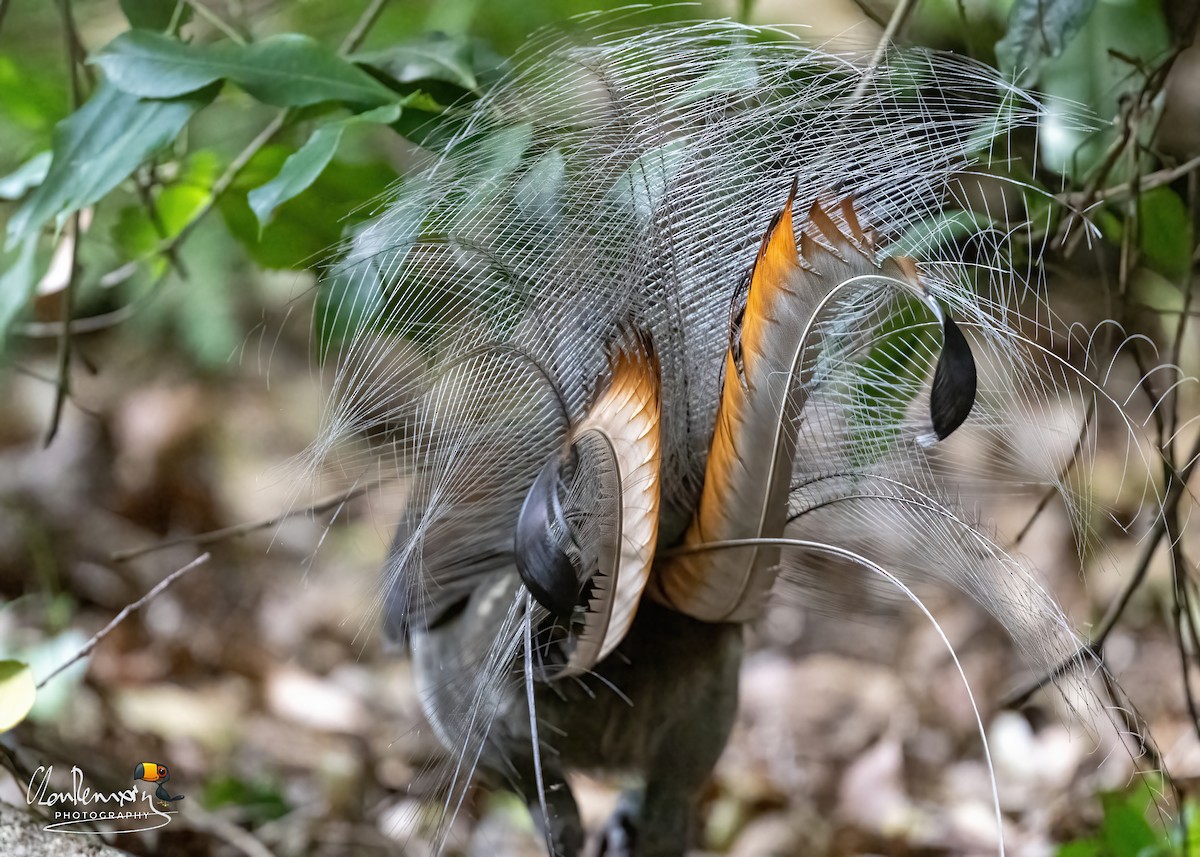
(236, 530)
(74, 52)
(62, 386)
(158, 589)
(1062, 474)
(1149, 181)
(217, 21)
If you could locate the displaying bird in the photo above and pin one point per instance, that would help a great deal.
(681, 320)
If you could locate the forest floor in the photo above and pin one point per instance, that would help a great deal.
(260, 677)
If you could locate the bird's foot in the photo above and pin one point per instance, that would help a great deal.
(618, 838)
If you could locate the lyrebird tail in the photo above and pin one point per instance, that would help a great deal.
(594, 339)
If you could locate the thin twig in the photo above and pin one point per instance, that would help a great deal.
(1185, 619)
(1117, 608)
(1148, 182)
(46, 379)
(222, 828)
(1062, 474)
(213, 536)
(62, 387)
(895, 25)
(227, 178)
(176, 18)
(361, 27)
(217, 21)
(1132, 721)
(158, 589)
(1191, 313)
(1131, 117)
(168, 247)
(1182, 617)
(865, 8)
(144, 189)
(745, 11)
(73, 53)
(67, 309)
(1181, 325)
(89, 324)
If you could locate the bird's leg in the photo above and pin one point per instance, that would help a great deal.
(619, 836)
(688, 751)
(681, 676)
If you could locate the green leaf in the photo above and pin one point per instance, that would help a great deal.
(1038, 29)
(1166, 232)
(642, 185)
(1151, 289)
(1125, 831)
(499, 156)
(204, 316)
(259, 799)
(201, 168)
(946, 227)
(352, 297)
(17, 693)
(348, 303)
(539, 193)
(1088, 74)
(136, 236)
(737, 72)
(303, 166)
(18, 277)
(139, 237)
(29, 175)
(96, 148)
(153, 14)
(49, 654)
(31, 101)
(438, 57)
(288, 70)
(307, 228)
(177, 205)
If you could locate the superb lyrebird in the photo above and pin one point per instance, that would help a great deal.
(670, 327)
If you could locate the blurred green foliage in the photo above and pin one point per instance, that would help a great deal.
(1132, 825)
(172, 92)
(171, 99)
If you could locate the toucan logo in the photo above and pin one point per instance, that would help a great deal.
(152, 772)
(82, 809)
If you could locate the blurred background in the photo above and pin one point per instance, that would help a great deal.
(260, 676)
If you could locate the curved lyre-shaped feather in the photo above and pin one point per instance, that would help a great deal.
(586, 533)
(627, 418)
(749, 468)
